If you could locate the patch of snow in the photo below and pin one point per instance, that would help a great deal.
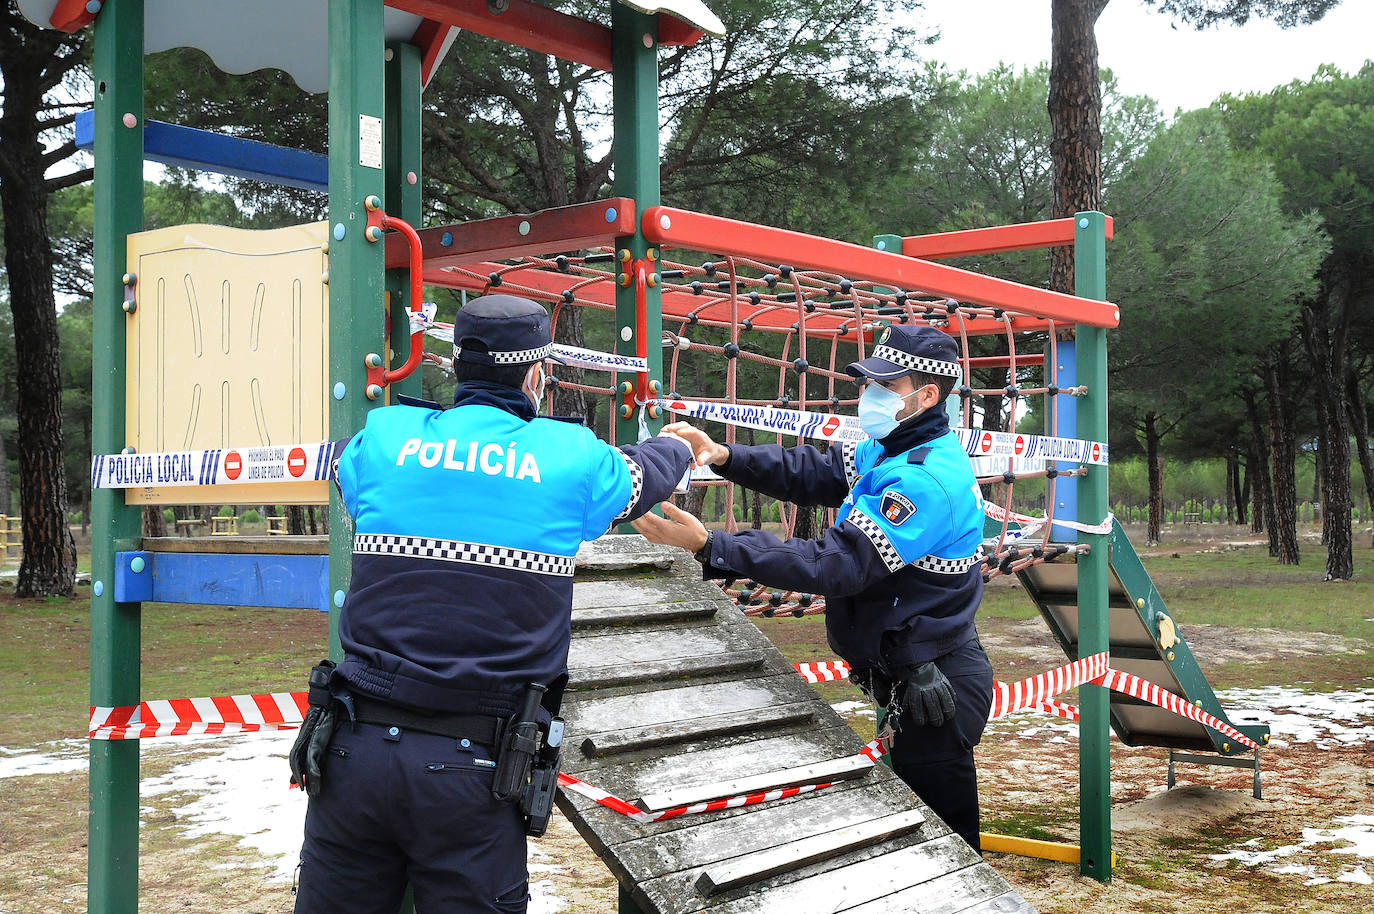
(1324, 719)
(855, 708)
(1356, 833)
(67, 755)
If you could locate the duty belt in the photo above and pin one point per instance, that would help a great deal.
(480, 728)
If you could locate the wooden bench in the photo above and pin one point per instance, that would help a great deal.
(187, 527)
(276, 526)
(224, 526)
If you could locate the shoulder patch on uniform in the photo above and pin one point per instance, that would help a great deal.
(896, 508)
(918, 455)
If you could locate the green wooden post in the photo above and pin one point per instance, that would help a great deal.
(356, 282)
(634, 56)
(634, 59)
(402, 198)
(112, 852)
(1094, 758)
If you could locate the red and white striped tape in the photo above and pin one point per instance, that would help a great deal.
(1035, 690)
(183, 716)
(1163, 698)
(616, 804)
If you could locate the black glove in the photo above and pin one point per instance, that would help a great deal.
(928, 696)
(309, 748)
(313, 738)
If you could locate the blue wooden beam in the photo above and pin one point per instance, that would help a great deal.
(219, 579)
(205, 150)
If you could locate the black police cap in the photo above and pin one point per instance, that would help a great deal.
(902, 349)
(502, 330)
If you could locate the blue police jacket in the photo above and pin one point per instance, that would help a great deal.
(467, 525)
(901, 567)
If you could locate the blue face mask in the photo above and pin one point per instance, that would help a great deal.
(878, 409)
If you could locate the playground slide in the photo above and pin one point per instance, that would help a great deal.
(1144, 641)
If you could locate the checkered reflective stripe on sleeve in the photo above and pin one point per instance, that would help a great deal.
(467, 553)
(886, 551)
(849, 455)
(948, 566)
(636, 487)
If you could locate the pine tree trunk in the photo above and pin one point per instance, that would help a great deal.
(1243, 482)
(1075, 108)
(567, 401)
(295, 520)
(1333, 436)
(154, 524)
(6, 504)
(48, 567)
(1155, 469)
(1359, 425)
(1232, 484)
(1282, 454)
(1262, 513)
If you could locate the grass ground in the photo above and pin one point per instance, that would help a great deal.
(1251, 623)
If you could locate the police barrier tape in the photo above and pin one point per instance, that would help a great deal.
(214, 466)
(1031, 524)
(1036, 693)
(830, 427)
(285, 710)
(572, 355)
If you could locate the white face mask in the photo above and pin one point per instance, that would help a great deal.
(878, 409)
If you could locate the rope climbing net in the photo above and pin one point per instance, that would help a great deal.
(760, 347)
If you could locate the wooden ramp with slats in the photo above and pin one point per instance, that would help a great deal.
(677, 698)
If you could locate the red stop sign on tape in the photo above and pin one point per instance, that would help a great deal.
(1019, 445)
(985, 443)
(295, 462)
(831, 426)
(233, 464)
(1097, 452)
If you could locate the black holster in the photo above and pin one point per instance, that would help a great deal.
(527, 763)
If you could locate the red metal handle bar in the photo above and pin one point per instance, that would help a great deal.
(417, 273)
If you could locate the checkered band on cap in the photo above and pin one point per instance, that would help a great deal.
(442, 550)
(886, 551)
(636, 487)
(948, 566)
(519, 357)
(916, 362)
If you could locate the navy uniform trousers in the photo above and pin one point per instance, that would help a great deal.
(415, 807)
(937, 762)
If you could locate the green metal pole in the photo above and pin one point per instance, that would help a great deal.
(634, 57)
(112, 851)
(1094, 752)
(634, 62)
(356, 282)
(402, 198)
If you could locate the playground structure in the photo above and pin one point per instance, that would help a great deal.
(302, 389)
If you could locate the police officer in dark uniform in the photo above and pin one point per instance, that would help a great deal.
(900, 569)
(456, 626)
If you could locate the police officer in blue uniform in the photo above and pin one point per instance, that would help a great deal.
(456, 627)
(900, 569)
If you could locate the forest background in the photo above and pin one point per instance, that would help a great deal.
(1243, 260)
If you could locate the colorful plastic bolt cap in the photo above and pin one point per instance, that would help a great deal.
(130, 306)
(412, 177)
(373, 233)
(130, 279)
(339, 231)
(374, 391)
(130, 120)
(446, 239)
(611, 214)
(339, 390)
(338, 598)
(372, 360)
(99, 588)
(136, 564)
(373, 202)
